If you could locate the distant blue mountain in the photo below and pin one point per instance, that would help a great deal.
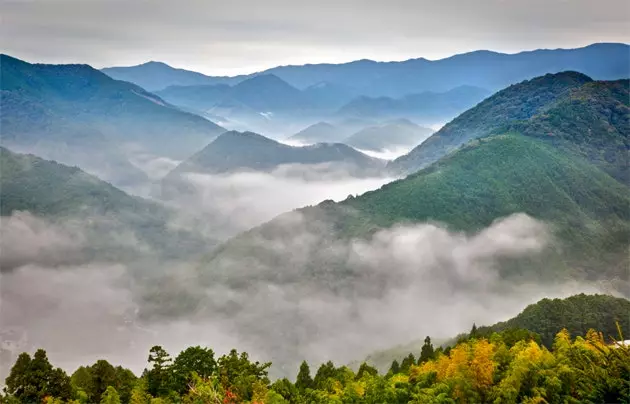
(485, 69)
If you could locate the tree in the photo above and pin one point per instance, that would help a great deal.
(110, 396)
(326, 371)
(238, 375)
(394, 368)
(159, 376)
(193, 359)
(304, 380)
(32, 380)
(407, 362)
(427, 352)
(366, 369)
(473, 331)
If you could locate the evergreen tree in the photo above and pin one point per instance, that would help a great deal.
(394, 368)
(159, 377)
(304, 380)
(473, 331)
(407, 362)
(427, 351)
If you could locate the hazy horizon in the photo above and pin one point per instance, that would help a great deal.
(224, 40)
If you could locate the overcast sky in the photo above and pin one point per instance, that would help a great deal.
(241, 36)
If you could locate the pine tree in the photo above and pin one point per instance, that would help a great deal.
(394, 368)
(427, 353)
(304, 380)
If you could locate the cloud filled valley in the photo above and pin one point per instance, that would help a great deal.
(398, 285)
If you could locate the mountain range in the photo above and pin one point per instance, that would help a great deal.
(488, 174)
(567, 108)
(485, 69)
(78, 115)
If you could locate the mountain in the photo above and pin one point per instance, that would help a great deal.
(427, 106)
(116, 224)
(568, 104)
(319, 132)
(489, 179)
(242, 151)
(157, 76)
(392, 135)
(484, 69)
(69, 112)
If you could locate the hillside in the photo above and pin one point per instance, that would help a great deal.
(157, 75)
(490, 178)
(242, 151)
(319, 132)
(545, 318)
(427, 106)
(577, 314)
(392, 135)
(79, 110)
(60, 193)
(517, 102)
(261, 93)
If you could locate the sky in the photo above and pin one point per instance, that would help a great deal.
(243, 36)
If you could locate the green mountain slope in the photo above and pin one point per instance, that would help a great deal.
(577, 314)
(547, 317)
(587, 211)
(517, 102)
(60, 193)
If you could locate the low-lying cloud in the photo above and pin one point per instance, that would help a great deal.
(400, 284)
(222, 205)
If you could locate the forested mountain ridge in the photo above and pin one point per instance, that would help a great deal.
(589, 117)
(541, 321)
(514, 103)
(491, 178)
(62, 194)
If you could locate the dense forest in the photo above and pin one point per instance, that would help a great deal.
(512, 365)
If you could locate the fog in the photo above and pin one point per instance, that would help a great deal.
(222, 205)
(401, 284)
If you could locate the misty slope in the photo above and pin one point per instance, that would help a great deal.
(157, 75)
(261, 93)
(489, 179)
(319, 132)
(566, 108)
(61, 193)
(63, 104)
(389, 136)
(425, 106)
(239, 151)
